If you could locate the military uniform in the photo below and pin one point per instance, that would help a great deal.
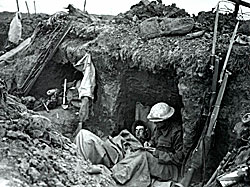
(168, 156)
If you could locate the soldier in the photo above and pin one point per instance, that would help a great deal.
(234, 168)
(164, 155)
(167, 140)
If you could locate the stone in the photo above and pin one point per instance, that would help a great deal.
(150, 28)
(2, 132)
(36, 133)
(17, 135)
(34, 174)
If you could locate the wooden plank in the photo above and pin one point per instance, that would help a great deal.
(27, 8)
(34, 2)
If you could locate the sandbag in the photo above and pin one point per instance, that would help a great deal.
(15, 31)
(150, 28)
(156, 27)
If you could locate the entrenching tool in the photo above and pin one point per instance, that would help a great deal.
(64, 106)
(45, 106)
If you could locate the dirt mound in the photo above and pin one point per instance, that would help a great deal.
(145, 9)
(33, 154)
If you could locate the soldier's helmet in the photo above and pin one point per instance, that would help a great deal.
(245, 118)
(160, 112)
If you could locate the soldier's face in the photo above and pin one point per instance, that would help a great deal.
(139, 132)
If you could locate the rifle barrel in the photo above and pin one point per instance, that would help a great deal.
(229, 51)
(215, 29)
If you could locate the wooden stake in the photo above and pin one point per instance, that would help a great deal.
(34, 6)
(27, 8)
(17, 4)
(84, 5)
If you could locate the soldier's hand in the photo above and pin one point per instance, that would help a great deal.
(152, 150)
(146, 144)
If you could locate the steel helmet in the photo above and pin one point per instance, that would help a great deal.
(160, 112)
(245, 118)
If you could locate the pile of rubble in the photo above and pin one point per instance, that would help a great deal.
(145, 9)
(34, 154)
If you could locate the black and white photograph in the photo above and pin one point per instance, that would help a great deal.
(124, 93)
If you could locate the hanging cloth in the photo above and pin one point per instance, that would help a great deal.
(15, 31)
(88, 83)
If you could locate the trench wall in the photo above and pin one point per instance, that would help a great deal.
(131, 69)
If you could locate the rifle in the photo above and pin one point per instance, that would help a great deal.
(229, 51)
(222, 165)
(204, 143)
(214, 61)
(237, 146)
(232, 177)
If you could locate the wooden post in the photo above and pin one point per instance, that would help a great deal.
(27, 8)
(84, 6)
(17, 4)
(34, 6)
